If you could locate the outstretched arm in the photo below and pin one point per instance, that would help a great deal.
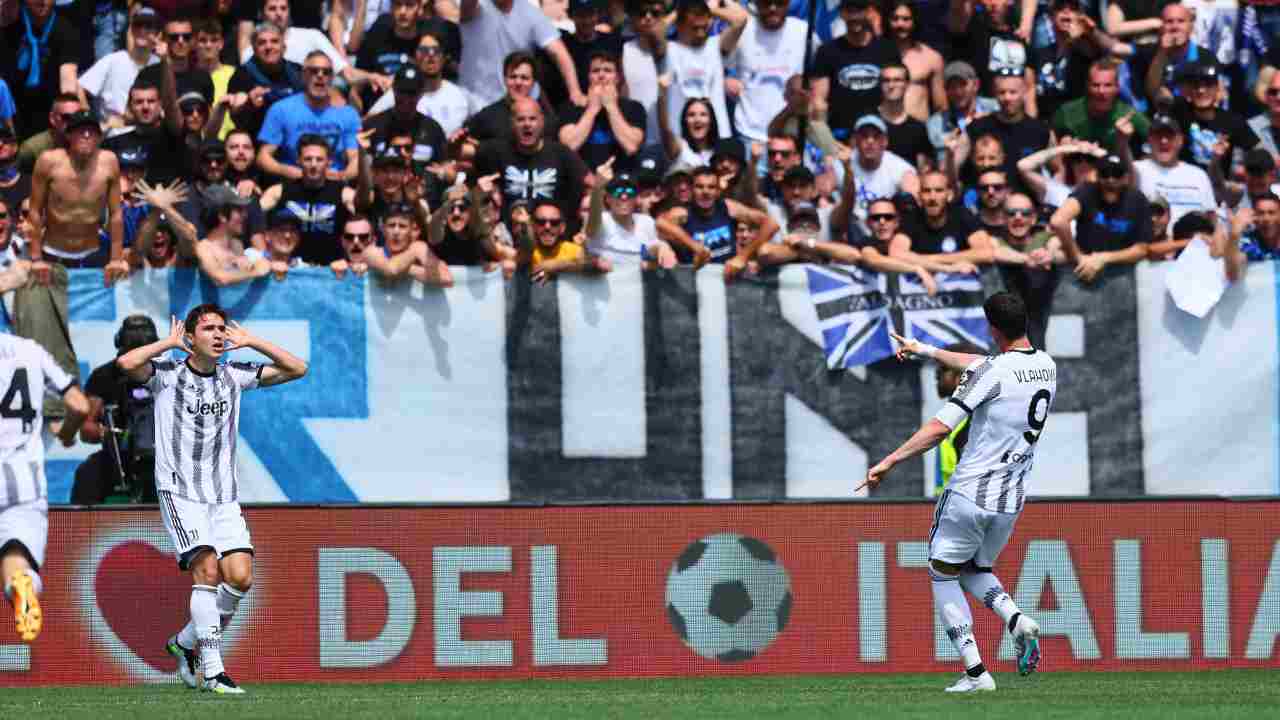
(285, 365)
(925, 439)
(909, 349)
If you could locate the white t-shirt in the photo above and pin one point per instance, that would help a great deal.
(490, 36)
(642, 86)
(110, 78)
(690, 158)
(883, 182)
(1185, 186)
(620, 245)
(765, 59)
(448, 106)
(26, 372)
(778, 212)
(300, 42)
(696, 73)
(1008, 398)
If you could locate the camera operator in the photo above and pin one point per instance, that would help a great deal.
(120, 419)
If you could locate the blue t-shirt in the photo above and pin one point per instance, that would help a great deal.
(1255, 249)
(7, 108)
(291, 118)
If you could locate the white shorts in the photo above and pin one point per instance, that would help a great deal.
(27, 523)
(196, 526)
(962, 531)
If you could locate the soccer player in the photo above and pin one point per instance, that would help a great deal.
(26, 371)
(1006, 399)
(197, 411)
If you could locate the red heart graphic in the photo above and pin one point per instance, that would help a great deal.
(144, 598)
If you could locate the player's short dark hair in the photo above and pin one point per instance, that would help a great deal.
(518, 58)
(605, 55)
(544, 202)
(1190, 225)
(1007, 313)
(140, 84)
(200, 311)
(312, 139)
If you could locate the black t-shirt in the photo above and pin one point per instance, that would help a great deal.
(953, 236)
(552, 83)
(321, 215)
(909, 139)
(1202, 135)
(430, 143)
(193, 80)
(601, 144)
(989, 50)
(555, 172)
(163, 152)
(1102, 227)
(384, 52)
(62, 47)
(1058, 79)
(114, 387)
(460, 248)
(16, 193)
(284, 80)
(493, 122)
(854, 74)
(1020, 139)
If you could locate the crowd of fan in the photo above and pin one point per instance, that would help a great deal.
(400, 137)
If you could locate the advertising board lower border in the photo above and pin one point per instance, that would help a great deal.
(381, 594)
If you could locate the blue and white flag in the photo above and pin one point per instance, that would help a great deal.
(858, 308)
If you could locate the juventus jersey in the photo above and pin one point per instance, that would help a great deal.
(26, 371)
(1007, 398)
(197, 418)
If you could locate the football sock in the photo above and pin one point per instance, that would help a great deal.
(204, 614)
(986, 587)
(228, 600)
(187, 636)
(976, 670)
(953, 610)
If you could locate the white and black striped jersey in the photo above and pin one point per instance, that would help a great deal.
(197, 421)
(1008, 397)
(26, 371)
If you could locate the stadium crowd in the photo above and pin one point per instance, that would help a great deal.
(400, 137)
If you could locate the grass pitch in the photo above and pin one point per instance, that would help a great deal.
(1133, 695)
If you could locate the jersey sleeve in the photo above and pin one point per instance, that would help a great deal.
(980, 383)
(162, 372)
(56, 379)
(246, 374)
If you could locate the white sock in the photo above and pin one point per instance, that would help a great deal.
(953, 610)
(187, 636)
(204, 614)
(986, 587)
(228, 600)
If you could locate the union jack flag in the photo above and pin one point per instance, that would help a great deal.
(858, 308)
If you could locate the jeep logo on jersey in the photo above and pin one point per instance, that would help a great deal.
(216, 408)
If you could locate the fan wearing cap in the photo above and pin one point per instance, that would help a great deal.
(1164, 174)
(1215, 137)
(428, 137)
(846, 69)
(877, 172)
(284, 235)
(106, 84)
(1260, 177)
(1112, 222)
(964, 105)
(436, 97)
(695, 61)
(991, 44)
(1162, 246)
(621, 235)
(320, 205)
(710, 220)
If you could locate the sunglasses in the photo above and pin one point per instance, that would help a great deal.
(178, 37)
(623, 193)
(428, 50)
(1273, 92)
(991, 187)
(191, 109)
(881, 217)
(356, 237)
(458, 208)
(784, 153)
(319, 71)
(1019, 212)
(547, 222)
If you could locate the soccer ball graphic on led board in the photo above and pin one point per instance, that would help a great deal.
(728, 597)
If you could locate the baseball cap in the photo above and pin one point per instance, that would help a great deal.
(192, 97)
(408, 80)
(82, 118)
(1111, 166)
(1164, 121)
(145, 17)
(959, 70)
(577, 6)
(282, 218)
(221, 195)
(1059, 4)
(624, 180)
(398, 209)
(798, 175)
(212, 148)
(647, 180)
(1202, 69)
(728, 147)
(1258, 161)
(870, 121)
(388, 157)
(801, 212)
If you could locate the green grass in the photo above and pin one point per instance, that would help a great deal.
(1158, 696)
